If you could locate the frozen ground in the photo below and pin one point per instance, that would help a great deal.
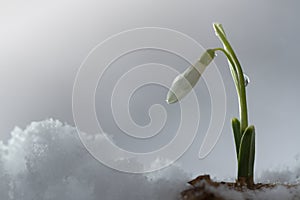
(46, 161)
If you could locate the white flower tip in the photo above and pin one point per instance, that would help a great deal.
(171, 98)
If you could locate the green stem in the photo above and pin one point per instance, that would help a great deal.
(232, 67)
(241, 83)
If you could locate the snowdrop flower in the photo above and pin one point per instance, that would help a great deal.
(185, 82)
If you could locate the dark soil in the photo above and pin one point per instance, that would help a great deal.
(201, 188)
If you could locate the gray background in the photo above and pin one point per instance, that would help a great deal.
(42, 45)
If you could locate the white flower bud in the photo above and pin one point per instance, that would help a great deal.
(184, 82)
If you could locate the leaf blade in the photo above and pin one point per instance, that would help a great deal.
(236, 128)
(244, 152)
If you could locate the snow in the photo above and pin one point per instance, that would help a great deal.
(47, 161)
(291, 176)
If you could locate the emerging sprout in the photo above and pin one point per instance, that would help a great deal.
(244, 135)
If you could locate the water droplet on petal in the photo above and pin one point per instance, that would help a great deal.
(247, 80)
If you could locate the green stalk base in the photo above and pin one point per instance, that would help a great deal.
(246, 181)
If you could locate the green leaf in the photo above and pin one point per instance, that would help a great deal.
(252, 153)
(229, 51)
(220, 29)
(236, 128)
(246, 153)
(237, 73)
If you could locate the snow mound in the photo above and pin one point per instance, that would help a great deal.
(47, 161)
